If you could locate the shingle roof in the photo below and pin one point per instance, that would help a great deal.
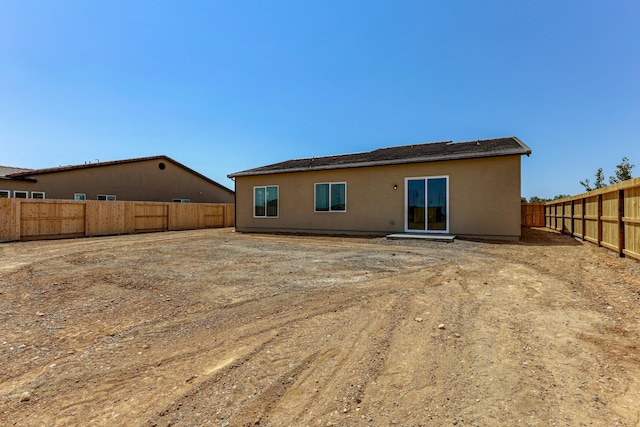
(26, 173)
(30, 172)
(7, 170)
(416, 153)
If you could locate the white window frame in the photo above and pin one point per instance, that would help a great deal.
(107, 197)
(7, 192)
(79, 196)
(406, 204)
(37, 193)
(253, 207)
(315, 192)
(26, 194)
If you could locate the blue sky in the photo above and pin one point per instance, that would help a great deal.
(227, 86)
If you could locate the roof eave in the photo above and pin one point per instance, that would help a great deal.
(524, 146)
(19, 178)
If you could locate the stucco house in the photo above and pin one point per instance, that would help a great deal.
(157, 178)
(469, 189)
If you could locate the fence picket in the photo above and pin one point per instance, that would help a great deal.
(608, 217)
(31, 219)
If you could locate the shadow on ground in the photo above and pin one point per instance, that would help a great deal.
(545, 237)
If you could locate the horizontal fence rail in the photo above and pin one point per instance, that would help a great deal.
(608, 217)
(31, 219)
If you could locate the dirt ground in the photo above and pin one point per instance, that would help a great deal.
(216, 328)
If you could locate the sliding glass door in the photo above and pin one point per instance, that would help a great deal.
(427, 204)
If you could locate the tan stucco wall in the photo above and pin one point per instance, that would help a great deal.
(484, 199)
(141, 181)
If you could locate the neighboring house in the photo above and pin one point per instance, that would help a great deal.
(469, 189)
(157, 178)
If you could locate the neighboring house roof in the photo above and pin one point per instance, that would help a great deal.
(6, 170)
(416, 153)
(28, 173)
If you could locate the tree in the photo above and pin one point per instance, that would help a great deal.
(623, 172)
(598, 183)
(536, 199)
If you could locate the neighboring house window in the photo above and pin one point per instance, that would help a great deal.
(106, 197)
(265, 201)
(79, 196)
(5, 194)
(331, 197)
(37, 195)
(21, 194)
(181, 200)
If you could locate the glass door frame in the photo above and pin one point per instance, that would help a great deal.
(406, 204)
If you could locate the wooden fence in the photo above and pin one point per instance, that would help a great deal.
(30, 219)
(532, 214)
(608, 217)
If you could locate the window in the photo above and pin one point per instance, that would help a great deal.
(21, 194)
(5, 194)
(181, 200)
(106, 197)
(265, 201)
(331, 197)
(37, 195)
(79, 196)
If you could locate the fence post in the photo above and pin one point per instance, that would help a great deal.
(584, 224)
(599, 219)
(621, 230)
(573, 227)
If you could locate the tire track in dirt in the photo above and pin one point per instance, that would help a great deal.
(542, 322)
(235, 319)
(359, 358)
(214, 328)
(317, 367)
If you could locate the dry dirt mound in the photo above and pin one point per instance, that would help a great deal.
(211, 327)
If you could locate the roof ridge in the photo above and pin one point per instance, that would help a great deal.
(15, 167)
(367, 151)
(94, 164)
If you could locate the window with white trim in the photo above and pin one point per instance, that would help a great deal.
(330, 197)
(5, 194)
(79, 196)
(20, 194)
(265, 201)
(108, 197)
(37, 194)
